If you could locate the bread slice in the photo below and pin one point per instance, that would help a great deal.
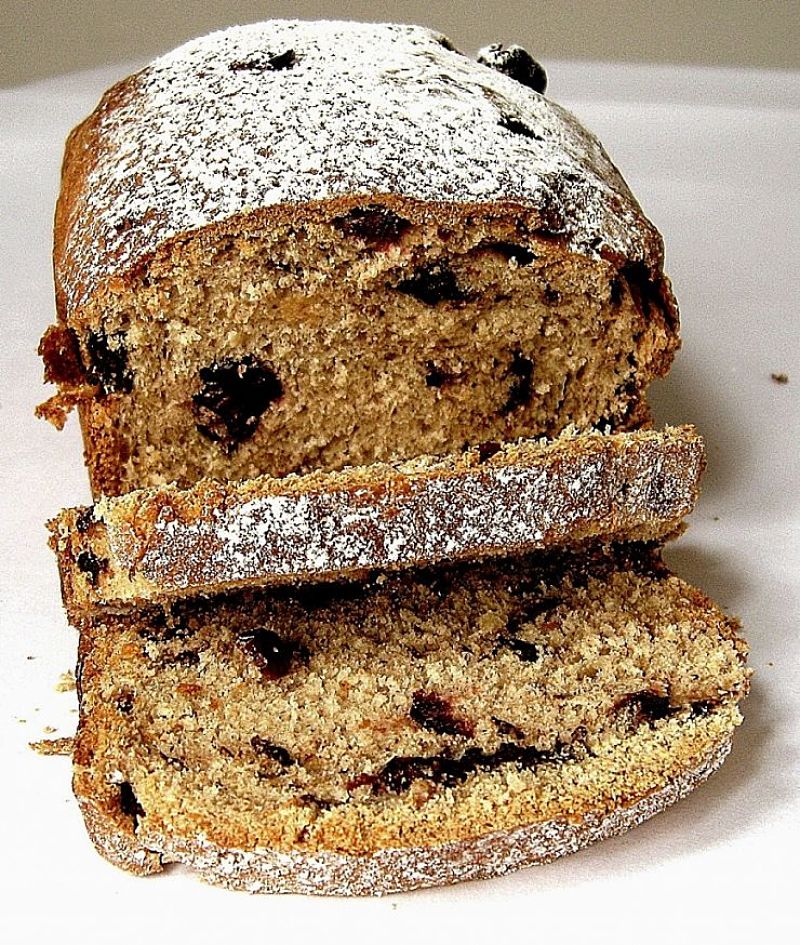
(291, 246)
(411, 730)
(162, 544)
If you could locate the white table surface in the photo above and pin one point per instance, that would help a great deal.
(714, 157)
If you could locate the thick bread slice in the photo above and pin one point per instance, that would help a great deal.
(291, 246)
(161, 544)
(417, 729)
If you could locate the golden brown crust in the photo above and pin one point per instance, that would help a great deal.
(83, 152)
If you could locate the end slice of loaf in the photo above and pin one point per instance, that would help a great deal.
(414, 730)
(355, 244)
(161, 544)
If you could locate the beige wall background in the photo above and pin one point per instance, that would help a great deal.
(40, 38)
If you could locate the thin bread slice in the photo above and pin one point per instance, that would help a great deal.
(411, 730)
(160, 544)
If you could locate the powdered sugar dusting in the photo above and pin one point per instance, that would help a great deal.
(289, 112)
(625, 486)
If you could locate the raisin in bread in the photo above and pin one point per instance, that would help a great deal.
(290, 246)
(158, 544)
(414, 729)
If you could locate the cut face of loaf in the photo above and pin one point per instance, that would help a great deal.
(161, 544)
(362, 248)
(414, 730)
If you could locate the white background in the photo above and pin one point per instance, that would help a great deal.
(713, 157)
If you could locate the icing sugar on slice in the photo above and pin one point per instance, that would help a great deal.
(288, 112)
(557, 498)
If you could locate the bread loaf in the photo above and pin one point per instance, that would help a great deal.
(291, 246)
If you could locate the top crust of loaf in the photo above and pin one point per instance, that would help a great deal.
(252, 122)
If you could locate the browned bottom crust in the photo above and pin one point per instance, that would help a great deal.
(390, 870)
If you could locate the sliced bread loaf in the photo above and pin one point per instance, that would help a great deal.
(291, 246)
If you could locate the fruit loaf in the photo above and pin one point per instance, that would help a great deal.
(290, 246)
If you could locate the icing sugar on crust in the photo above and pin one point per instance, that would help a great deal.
(288, 112)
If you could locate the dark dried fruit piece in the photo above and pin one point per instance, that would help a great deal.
(373, 224)
(516, 63)
(128, 803)
(85, 519)
(435, 376)
(433, 284)
(550, 295)
(517, 127)
(522, 386)
(234, 395)
(398, 774)
(183, 658)
(702, 707)
(273, 654)
(261, 746)
(526, 651)
(432, 712)
(124, 701)
(91, 565)
(645, 706)
(108, 362)
(487, 450)
(284, 60)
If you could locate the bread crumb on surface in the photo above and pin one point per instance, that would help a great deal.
(66, 682)
(53, 746)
